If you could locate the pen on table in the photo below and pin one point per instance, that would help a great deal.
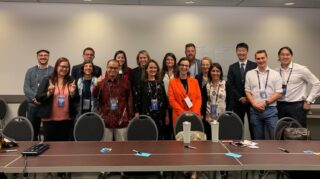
(136, 151)
(190, 147)
(5, 151)
(283, 150)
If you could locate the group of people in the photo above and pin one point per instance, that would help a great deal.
(57, 97)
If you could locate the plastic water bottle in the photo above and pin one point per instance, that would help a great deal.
(215, 131)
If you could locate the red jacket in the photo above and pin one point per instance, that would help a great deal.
(177, 94)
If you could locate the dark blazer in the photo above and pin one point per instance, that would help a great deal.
(45, 108)
(136, 76)
(235, 79)
(76, 71)
(203, 89)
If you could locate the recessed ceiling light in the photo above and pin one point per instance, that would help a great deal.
(87, 0)
(289, 3)
(189, 2)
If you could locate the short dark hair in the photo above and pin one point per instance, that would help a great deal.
(215, 65)
(112, 60)
(287, 48)
(261, 51)
(43, 50)
(190, 45)
(83, 64)
(242, 45)
(88, 48)
(177, 73)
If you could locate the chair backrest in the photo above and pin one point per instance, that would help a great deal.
(89, 127)
(196, 123)
(23, 108)
(3, 108)
(230, 126)
(284, 123)
(142, 128)
(19, 128)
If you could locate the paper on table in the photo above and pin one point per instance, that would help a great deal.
(104, 150)
(230, 154)
(142, 154)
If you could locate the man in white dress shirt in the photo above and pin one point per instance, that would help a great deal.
(296, 100)
(263, 88)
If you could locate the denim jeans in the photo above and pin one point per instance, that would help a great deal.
(259, 120)
(32, 115)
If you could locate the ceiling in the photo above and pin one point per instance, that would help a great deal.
(230, 3)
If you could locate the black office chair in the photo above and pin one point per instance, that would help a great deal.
(284, 123)
(23, 108)
(230, 126)
(89, 127)
(142, 128)
(19, 128)
(3, 112)
(196, 123)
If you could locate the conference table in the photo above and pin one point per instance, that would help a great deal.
(165, 156)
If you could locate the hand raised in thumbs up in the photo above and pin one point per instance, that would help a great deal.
(72, 88)
(50, 88)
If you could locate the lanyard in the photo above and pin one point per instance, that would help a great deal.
(289, 74)
(266, 80)
(62, 89)
(217, 95)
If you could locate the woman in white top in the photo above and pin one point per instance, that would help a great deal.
(216, 96)
(167, 72)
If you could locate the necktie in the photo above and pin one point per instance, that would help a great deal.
(242, 71)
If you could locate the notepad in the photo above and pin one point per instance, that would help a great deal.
(230, 154)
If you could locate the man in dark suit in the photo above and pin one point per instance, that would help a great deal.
(88, 55)
(236, 78)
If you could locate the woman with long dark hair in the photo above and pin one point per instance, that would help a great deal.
(58, 95)
(216, 97)
(167, 73)
(124, 71)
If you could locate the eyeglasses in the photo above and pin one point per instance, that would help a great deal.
(113, 68)
(62, 66)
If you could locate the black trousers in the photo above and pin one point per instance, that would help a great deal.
(34, 119)
(241, 110)
(294, 110)
(168, 129)
(57, 130)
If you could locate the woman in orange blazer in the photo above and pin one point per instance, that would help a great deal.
(184, 92)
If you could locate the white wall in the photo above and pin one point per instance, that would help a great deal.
(66, 29)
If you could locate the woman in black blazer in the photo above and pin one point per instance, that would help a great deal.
(58, 95)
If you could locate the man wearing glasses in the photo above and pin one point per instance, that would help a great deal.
(88, 55)
(115, 102)
(32, 81)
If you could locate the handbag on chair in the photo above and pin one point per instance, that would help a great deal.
(296, 134)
